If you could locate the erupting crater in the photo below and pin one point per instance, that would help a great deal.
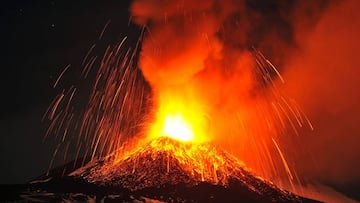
(167, 161)
(165, 168)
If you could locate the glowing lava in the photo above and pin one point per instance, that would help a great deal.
(179, 119)
(173, 168)
(198, 162)
(176, 127)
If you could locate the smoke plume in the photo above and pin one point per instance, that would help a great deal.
(202, 52)
(322, 75)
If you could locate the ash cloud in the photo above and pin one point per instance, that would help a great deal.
(184, 38)
(322, 74)
(189, 33)
(204, 48)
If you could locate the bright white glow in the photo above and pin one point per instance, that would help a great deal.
(176, 127)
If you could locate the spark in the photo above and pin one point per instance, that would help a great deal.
(283, 159)
(61, 74)
(103, 30)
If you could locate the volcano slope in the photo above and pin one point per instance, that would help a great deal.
(162, 170)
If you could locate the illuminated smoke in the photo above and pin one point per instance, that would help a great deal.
(322, 74)
(202, 57)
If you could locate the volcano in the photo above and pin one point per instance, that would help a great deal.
(162, 170)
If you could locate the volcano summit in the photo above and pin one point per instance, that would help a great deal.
(163, 169)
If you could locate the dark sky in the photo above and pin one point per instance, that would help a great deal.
(38, 39)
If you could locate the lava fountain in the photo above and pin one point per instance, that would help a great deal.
(186, 79)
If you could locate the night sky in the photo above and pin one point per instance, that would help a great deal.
(38, 39)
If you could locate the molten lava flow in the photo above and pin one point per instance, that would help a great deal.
(191, 163)
(170, 168)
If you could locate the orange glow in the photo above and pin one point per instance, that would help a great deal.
(202, 162)
(179, 119)
(175, 126)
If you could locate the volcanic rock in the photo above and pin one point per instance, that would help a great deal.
(162, 170)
